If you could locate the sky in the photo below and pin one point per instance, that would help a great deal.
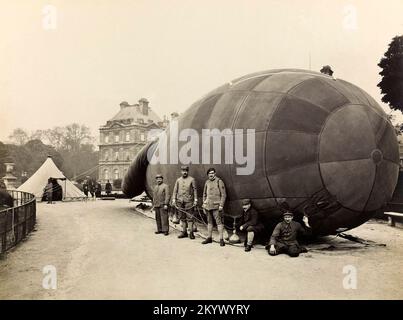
(65, 61)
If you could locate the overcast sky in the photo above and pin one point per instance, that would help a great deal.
(172, 52)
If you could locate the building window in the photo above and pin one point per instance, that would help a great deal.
(106, 155)
(127, 155)
(128, 136)
(106, 138)
(142, 137)
(116, 173)
(117, 137)
(106, 174)
(116, 155)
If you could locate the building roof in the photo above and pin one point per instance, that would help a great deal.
(133, 112)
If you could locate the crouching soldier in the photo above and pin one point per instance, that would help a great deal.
(284, 237)
(185, 199)
(251, 223)
(160, 203)
(214, 196)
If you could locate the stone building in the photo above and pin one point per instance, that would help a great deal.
(122, 137)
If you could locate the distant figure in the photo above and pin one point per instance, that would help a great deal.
(49, 191)
(85, 187)
(91, 187)
(6, 200)
(160, 203)
(251, 223)
(98, 189)
(284, 237)
(108, 188)
(327, 70)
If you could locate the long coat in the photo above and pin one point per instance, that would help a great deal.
(251, 221)
(161, 195)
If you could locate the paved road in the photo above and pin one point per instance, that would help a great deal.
(105, 250)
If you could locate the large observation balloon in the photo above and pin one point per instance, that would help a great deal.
(323, 145)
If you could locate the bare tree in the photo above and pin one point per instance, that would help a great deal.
(19, 136)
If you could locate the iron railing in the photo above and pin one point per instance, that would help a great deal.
(17, 222)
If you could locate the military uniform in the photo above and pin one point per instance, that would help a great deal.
(108, 188)
(161, 199)
(85, 188)
(49, 192)
(214, 195)
(250, 224)
(184, 196)
(284, 238)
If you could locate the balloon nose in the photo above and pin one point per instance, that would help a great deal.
(358, 158)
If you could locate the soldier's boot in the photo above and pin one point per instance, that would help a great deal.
(248, 248)
(207, 240)
(222, 243)
(183, 234)
(191, 234)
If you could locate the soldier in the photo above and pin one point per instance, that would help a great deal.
(49, 191)
(251, 223)
(327, 70)
(214, 196)
(108, 188)
(284, 237)
(98, 189)
(85, 187)
(184, 197)
(160, 203)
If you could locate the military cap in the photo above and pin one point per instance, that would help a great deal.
(288, 213)
(159, 176)
(246, 201)
(210, 169)
(185, 168)
(327, 70)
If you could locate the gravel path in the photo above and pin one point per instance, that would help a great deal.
(106, 250)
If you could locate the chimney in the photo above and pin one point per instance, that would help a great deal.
(143, 106)
(123, 104)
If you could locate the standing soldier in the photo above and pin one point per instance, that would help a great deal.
(160, 203)
(214, 196)
(184, 197)
(49, 191)
(85, 187)
(98, 189)
(108, 188)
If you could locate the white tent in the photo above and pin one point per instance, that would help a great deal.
(37, 182)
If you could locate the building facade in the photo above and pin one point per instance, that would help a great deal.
(123, 136)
